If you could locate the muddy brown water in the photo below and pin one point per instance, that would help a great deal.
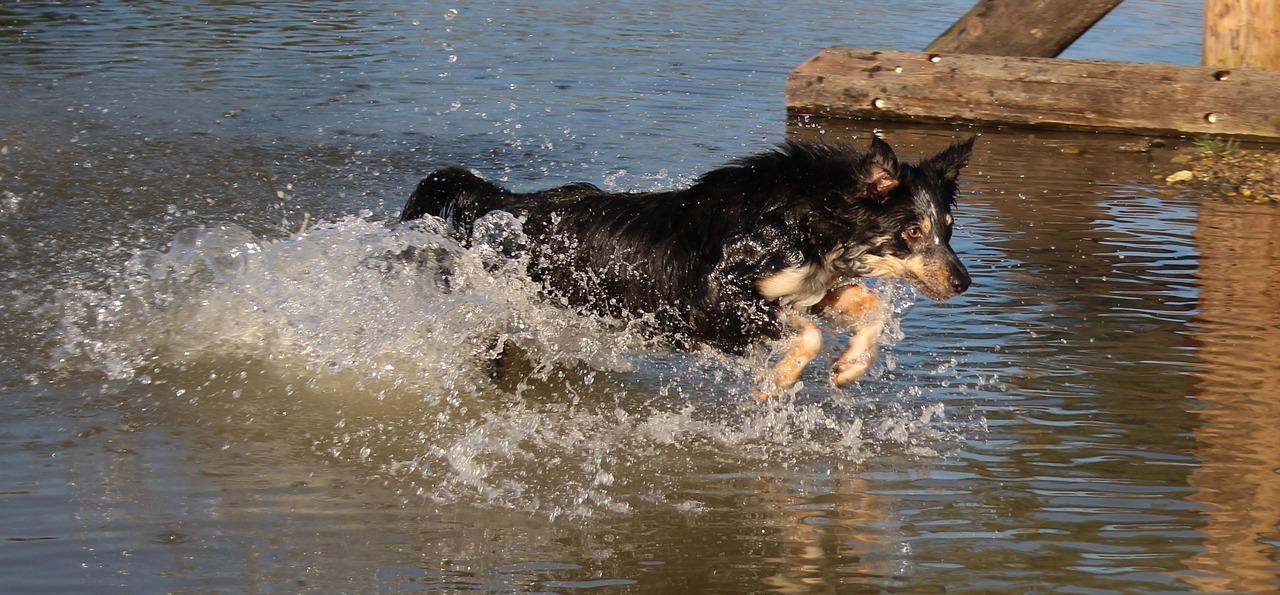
(195, 401)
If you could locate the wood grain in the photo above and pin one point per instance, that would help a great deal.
(1241, 33)
(1035, 28)
(1039, 92)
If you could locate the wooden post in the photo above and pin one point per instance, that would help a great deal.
(1241, 34)
(1041, 92)
(1029, 28)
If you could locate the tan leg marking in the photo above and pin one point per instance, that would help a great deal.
(802, 347)
(858, 307)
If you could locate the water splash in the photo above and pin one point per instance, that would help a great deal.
(390, 335)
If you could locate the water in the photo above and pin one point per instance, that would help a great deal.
(198, 398)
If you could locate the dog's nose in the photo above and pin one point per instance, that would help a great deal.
(960, 282)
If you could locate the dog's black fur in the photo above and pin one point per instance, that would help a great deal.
(725, 261)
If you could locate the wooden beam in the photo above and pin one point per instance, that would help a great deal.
(1033, 28)
(1241, 34)
(1040, 92)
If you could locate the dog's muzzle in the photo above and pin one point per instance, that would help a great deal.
(941, 275)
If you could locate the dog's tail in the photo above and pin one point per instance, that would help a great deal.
(440, 193)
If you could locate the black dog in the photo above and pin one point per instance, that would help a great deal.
(747, 253)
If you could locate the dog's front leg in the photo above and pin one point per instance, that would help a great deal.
(859, 308)
(802, 346)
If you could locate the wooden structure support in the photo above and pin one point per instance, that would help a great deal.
(959, 77)
(1032, 28)
(1039, 92)
(1241, 33)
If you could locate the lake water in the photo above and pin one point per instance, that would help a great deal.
(196, 400)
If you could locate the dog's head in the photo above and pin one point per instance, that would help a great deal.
(899, 216)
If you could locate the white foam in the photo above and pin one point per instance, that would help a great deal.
(596, 419)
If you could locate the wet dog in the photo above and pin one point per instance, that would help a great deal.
(752, 251)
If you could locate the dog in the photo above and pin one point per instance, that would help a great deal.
(756, 250)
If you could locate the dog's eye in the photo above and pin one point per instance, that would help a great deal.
(914, 232)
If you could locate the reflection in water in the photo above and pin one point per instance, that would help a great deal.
(235, 423)
(1239, 330)
(838, 534)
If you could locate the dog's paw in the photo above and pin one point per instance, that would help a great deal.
(766, 391)
(847, 369)
(857, 359)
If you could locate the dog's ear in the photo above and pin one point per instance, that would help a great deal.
(948, 163)
(879, 173)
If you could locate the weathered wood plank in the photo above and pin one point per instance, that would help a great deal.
(1041, 92)
(1032, 28)
(1241, 34)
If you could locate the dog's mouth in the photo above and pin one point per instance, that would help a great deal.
(938, 277)
(942, 290)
